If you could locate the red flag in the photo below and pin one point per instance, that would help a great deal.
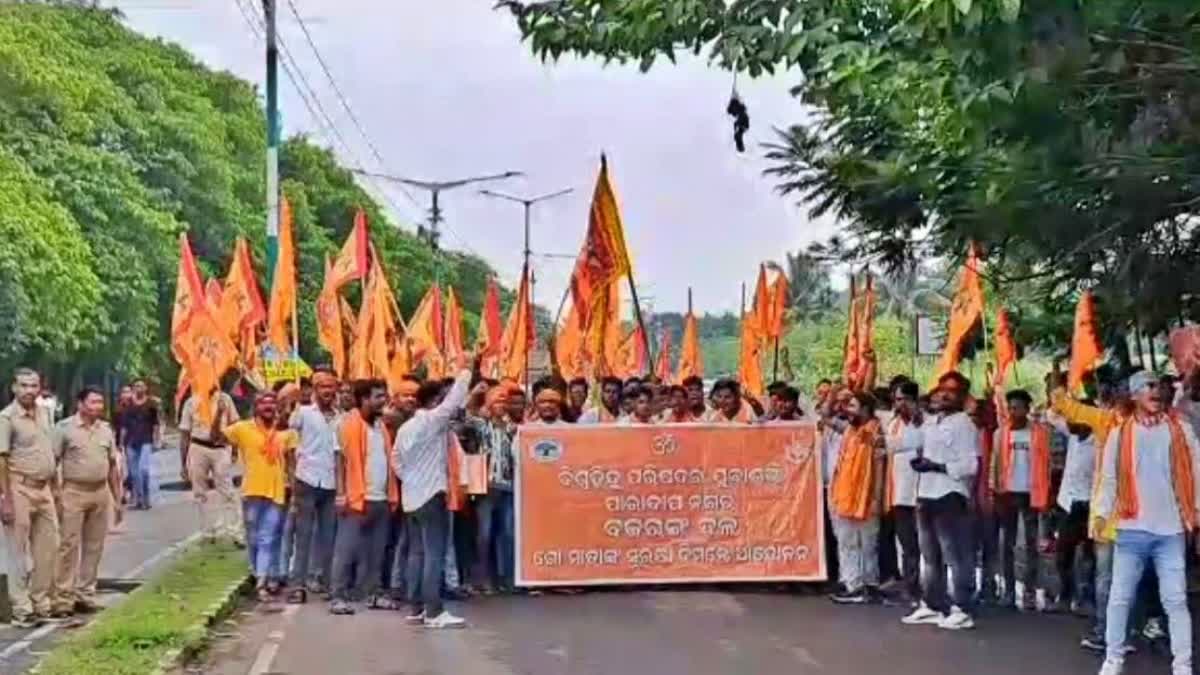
(1006, 347)
(1086, 351)
(964, 314)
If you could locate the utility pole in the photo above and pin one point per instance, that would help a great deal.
(527, 203)
(272, 139)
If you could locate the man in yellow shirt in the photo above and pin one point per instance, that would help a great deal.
(264, 450)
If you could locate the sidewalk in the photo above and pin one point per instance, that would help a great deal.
(147, 540)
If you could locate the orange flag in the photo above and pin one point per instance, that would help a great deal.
(426, 333)
(851, 349)
(329, 321)
(633, 354)
(866, 329)
(569, 347)
(1086, 351)
(662, 369)
(750, 372)
(241, 309)
(491, 329)
(763, 311)
(691, 363)
(212, 294)
(779, 304)
(455, 347)
(207, 354)
(518, 339)
(352, 261)
(283, 286)
(604, 257)
(966, 311)
(1006, 347)
(375, 332)
(603, 339)
(189, 293)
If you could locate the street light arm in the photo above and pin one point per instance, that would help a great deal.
(527, 201)
(441, 186)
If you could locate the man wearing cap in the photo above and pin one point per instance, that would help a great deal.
(315, 488)
(1148, 488)
(547, 408)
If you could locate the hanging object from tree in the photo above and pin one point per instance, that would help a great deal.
(741, 120)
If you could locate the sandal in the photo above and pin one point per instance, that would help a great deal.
(298, 596)
(341, 608)
(382, 602)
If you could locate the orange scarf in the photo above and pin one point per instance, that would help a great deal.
(272, 447)
(1182, 478)
(854, 478)
(1039, 464)
(353, 437)
(456, 493)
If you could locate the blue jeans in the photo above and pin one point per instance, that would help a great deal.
(1134, 548)
(264, 532)
(494, 539)
(138, 459)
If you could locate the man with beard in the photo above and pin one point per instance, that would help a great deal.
(609, 410)
(577, 397)
(695, 392)
(679, 410)
(905, 441)
(728, 406)
(855, 500)
(495, 533)
(642, 410)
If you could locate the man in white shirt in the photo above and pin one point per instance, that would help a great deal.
(315, 487)
(420, 459)
(609, 410)
(1074, 499)
(1148, 486)
(905, 438)
(947, 465)
(1015, 460)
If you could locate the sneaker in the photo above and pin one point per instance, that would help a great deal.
(446, 620)
(416, 619)
(1093, 642)
(858, 597)
(341, 608)
(923, 615)
(1154, 630)
(1111, 667)
(26, 621)
(956, 620)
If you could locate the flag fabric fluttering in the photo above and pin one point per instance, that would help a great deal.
(242, 309)
(850, 348)
(283, 285)
(376, 331)
(691, 363)
(763, 311)
(189, 292)
(517, 343)
(633, 354)
(1005, 346)
(662, 369)
(966, 311)
(329, 321)
(750, 373)
(1086, 350)
(491, 330)
(352, 262)
(569, 347)
(779, 305)
(860, 333)
(604, 257)
(212, 296)
(455, 347)
(207, 354)
(426, 333)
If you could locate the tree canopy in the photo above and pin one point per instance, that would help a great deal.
(1059, 134)
(110, 145)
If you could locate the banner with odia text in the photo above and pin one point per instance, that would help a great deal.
(612, 504)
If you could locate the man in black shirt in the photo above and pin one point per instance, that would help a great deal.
(139, 432)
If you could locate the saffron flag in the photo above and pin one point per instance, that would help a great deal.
(455, 349)
(491, 329)
(763, 311)
(866, 331)
(850, 347)
(426, 333)
(375, 332)
(604, 257)
(1006, 347)
(283, 284)
(779, 305)
(352, 261)
(189, 293)
(518, 339)
(966, 311)
(212, 294)
(662, 369)
(329, 321)
(633, 354)
(241, 309)
(750, 372)
(691, 363)
(207, 354)
(569, 347)
(1086, 351)
(602, 343)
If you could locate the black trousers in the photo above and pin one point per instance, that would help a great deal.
(1072, 533)
(905, 518)
(358, 553)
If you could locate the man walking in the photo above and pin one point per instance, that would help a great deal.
(421, 459)
(87, 452)
(139, 432)
(27, 470)
(208, 456)
(315, 488)
(367, 494)
(1148, 487)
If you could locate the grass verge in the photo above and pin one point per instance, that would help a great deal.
(133, 637)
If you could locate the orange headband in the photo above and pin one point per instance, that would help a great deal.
(549, 396)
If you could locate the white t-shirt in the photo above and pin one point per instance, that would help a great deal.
(904, 441)
(1021, 440)
(377, 464)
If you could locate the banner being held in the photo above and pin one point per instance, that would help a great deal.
(668, 504)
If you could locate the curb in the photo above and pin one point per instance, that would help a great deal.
(196, 637)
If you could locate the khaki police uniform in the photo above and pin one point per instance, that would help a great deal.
(220, 508)
(86, 455)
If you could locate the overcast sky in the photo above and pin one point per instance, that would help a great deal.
(446, 89)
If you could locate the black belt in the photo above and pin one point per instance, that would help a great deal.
(208, 444)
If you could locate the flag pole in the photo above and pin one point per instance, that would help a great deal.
(637, 310)
(775, 365)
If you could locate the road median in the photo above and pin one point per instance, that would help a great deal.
(160, 624)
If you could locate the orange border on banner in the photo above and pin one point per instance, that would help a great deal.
(689, 503)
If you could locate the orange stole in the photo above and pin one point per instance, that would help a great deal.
(1182, 478)
(854, 477)
(353, 437)
(1039, 464)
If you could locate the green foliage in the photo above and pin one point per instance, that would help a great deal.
(1062, 136)
(110, 145)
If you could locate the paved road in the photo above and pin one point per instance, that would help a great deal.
(666, 633)
(147, 540)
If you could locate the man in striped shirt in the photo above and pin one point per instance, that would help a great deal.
(420, 459)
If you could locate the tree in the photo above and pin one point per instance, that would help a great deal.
(810, 293)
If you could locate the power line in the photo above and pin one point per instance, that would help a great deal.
(342, 97)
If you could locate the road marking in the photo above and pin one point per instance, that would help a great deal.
(270, 649)
(40, 633)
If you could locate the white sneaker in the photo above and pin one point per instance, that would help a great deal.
(922, 615)
(957, 620)
(445, 620)
(1111, 667)
(417, 619)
